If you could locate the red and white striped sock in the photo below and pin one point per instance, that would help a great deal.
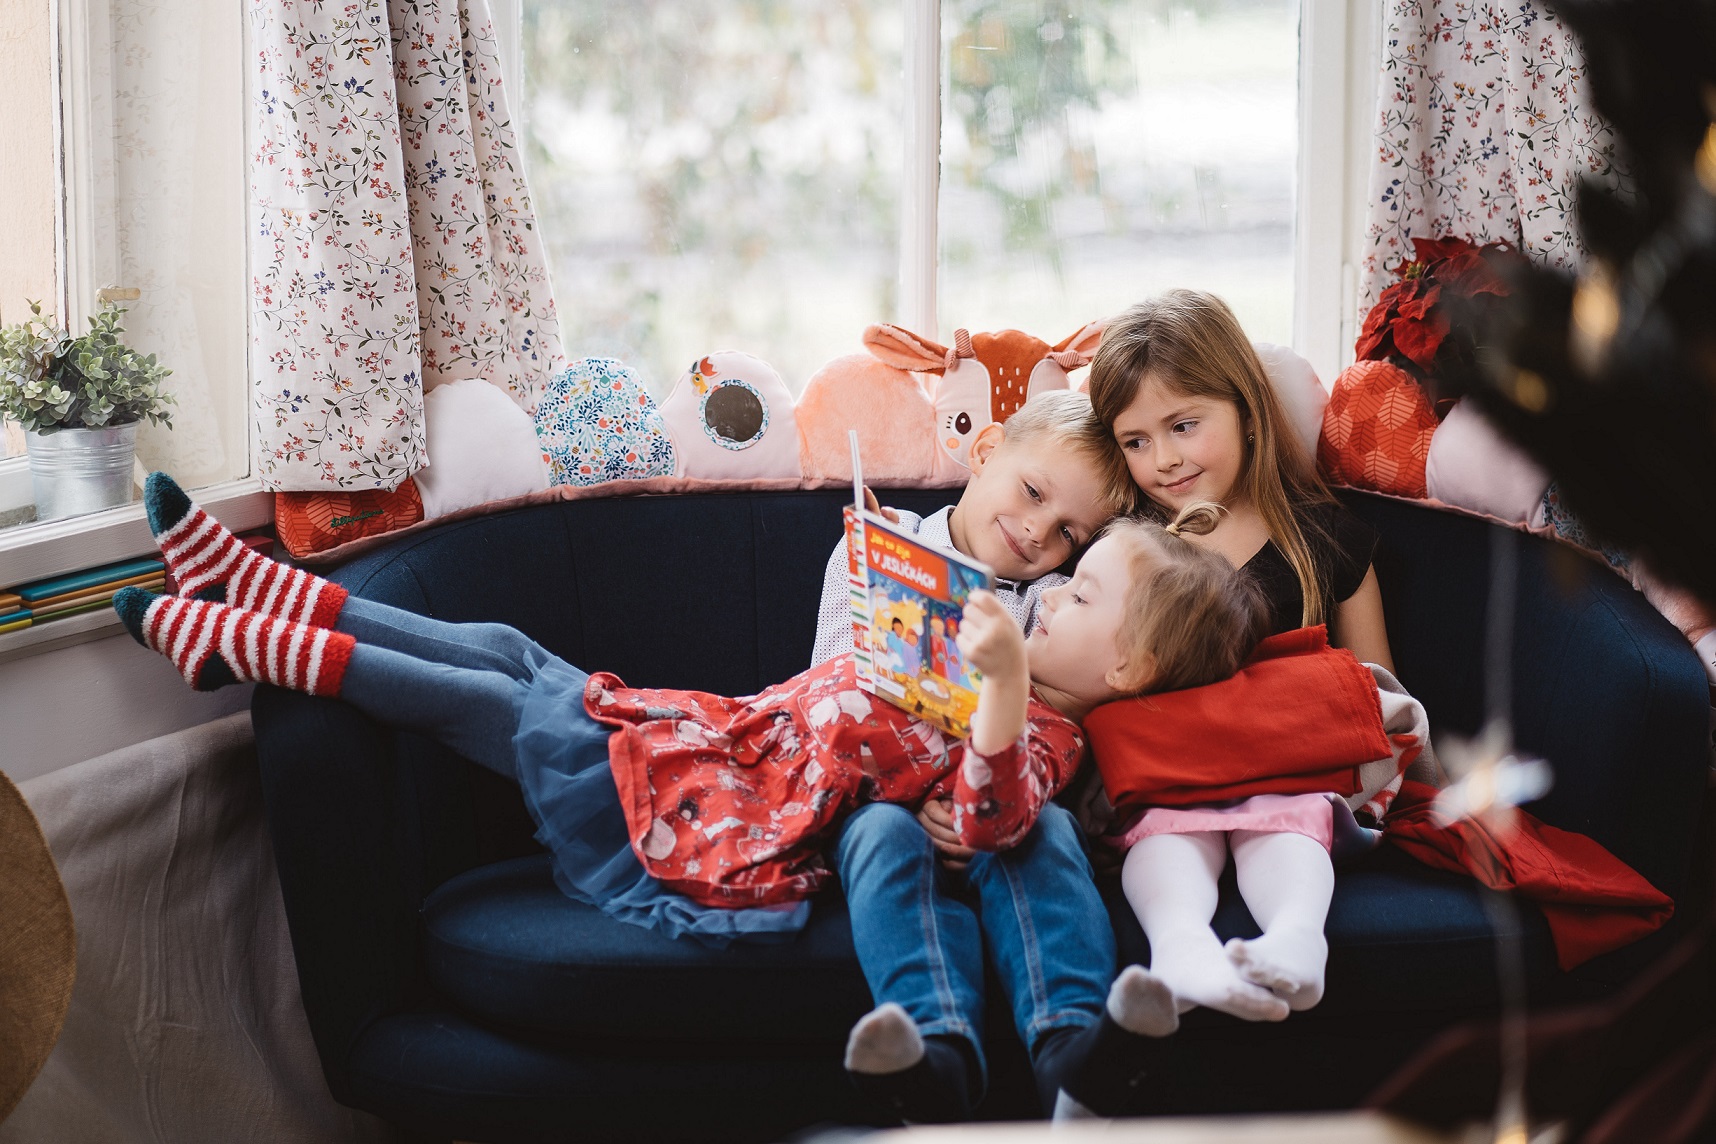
(213, 644)
(202, 553)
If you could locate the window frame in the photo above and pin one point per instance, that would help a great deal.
(60, 546)
(51, 548)
(1338, 58)
(1338, 54)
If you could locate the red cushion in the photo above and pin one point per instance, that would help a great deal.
(1376, 431)
(314, 522)
(1309, 717)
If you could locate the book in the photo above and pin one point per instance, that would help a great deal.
(147, 580)
(908, 599)
(89, 578)
(86, 601)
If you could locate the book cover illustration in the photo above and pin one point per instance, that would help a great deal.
(907, 601)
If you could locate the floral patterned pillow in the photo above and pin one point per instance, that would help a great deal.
(598, 423)
(1376, 431)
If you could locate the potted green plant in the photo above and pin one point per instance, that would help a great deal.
(79, 401)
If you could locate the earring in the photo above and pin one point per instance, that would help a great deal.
(1251, 438)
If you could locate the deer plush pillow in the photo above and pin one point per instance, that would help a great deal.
(918, 435)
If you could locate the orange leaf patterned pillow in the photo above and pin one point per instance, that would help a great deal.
(1376, 431)
(308, 523)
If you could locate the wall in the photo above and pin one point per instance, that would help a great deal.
(74, 703)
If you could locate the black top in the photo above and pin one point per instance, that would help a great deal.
(1342, 545)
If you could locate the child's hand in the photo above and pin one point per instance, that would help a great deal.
(936, 818)
(990, 639)
(871, 504)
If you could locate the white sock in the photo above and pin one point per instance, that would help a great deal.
(1286, 881)
(1170, 880)
(1141, 1003)
(1706, 649)
(1068, 1108)
(885, 1040)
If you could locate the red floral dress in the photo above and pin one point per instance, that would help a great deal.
(731, 801)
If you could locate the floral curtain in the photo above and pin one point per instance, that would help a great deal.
(393, 242)
(1485, 129)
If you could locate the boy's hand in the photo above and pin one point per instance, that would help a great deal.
(990, 639)
(936, 818)
(871, 504)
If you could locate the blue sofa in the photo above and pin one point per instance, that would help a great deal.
(453, 991)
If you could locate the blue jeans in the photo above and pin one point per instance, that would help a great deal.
(457, 683)
(920, 930)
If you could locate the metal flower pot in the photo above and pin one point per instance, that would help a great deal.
(78, 471)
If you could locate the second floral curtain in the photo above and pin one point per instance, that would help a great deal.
(1485, 127)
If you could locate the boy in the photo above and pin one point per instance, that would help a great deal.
(1041, 486)
(1042, 483)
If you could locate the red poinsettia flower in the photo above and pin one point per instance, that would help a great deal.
(1407, 321)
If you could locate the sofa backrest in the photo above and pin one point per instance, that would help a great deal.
(719, 593)
(714, 592)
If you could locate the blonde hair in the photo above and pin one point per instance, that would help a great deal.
(1070, 421)
(1188, 611)
(1191, 343)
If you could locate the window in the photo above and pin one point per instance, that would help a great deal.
(733, 176)
(715, 176)
(1095, 153)
(152, 144)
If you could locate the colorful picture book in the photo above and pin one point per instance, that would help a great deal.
(908, 599)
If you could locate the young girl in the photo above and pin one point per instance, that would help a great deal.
(1186, 397)
(704, 815)
(1189, 402)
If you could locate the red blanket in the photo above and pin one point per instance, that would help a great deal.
(1592, 900)
(1300, 718)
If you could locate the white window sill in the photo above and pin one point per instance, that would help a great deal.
(53, 548)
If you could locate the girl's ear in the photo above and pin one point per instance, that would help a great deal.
(988, 439)
(1129, 678)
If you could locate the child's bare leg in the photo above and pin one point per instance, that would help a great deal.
(1286, 880)
(1170, 880)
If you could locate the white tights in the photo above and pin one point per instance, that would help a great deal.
(1286, 880)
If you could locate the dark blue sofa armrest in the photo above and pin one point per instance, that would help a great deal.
(328, 792)
(1601, 684)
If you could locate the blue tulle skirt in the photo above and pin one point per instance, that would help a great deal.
(562, 766)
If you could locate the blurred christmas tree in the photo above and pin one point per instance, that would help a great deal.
(1609, 380)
